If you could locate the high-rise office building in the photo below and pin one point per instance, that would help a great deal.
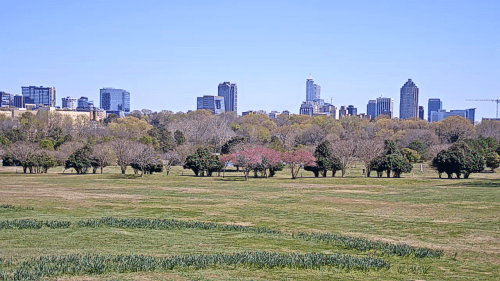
(213, 103)
(343, 111)
(18, 101)
(230, 93)
(69, 103)
(84, 104)
(433, 105)
(441, 114)
(421, 112)
(313, 91)
(5, 99)
(371, 108)
(45, 96)
(385, 106)
(351, 110)
(408, 106)
(115, 100)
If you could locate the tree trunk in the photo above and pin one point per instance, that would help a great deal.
(102, 169)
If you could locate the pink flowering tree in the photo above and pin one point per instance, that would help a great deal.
(270, 159)
(296, 158)
(247, 160)
(258, 158)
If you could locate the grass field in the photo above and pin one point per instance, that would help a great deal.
(460, 217)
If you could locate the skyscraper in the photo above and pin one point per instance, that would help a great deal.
(69, 103)
(385, 106)
(351, 110)
(408, 106)
(421, 112)
(433, 105)
(230, 93)
(45, 96)
(213, 103)
(115, 100)
(371, 108)
(313, 91)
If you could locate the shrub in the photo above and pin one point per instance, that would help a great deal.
(202, 162)
(411, 155)
(492, 161)
(462, 158)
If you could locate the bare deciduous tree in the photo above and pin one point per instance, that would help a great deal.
(367, 150)
(146, 156)
(169, 159)
(344, 150)
(286, 135)
(102, 155)
(435, 149)
(23, 151)
(125, 151)
(65, 150)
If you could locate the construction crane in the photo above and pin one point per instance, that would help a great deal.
(497, 101)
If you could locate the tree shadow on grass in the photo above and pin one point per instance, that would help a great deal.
(489, 183)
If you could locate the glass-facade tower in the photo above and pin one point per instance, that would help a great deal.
(408, 106)
(213, 103)
(229, 91)
(385, 106)
(433, 105)
(371, 108)
(45, 96)
(115, 100)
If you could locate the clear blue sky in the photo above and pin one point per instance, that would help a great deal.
(166, 53)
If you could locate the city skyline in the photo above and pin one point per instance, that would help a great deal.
(173, 58)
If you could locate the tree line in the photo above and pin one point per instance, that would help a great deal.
(151, 141)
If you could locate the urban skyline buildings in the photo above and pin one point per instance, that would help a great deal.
(469, 114)
(351, 110)
(408, 106)
(45, 96)
(84, 104)
(213, 103)
(115, 100)
(69, 103)
(385, 106)
(313, 91)
(371, 108)
(18, 101)
(229, 91)
(433, 105)
(5, 99)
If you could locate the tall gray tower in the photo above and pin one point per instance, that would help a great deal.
(313, 91)
(230, 93)
(408, 107)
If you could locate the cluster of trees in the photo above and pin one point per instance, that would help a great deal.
(467, 156)
(171, 138)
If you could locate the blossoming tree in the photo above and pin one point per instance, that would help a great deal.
(296, 158)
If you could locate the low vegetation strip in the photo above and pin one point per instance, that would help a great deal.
(366, 245)
(14, 208)
(41, 267)
(32, 224)
(348, 242)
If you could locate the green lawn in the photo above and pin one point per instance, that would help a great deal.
(461, 217)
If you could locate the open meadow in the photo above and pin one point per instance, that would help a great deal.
(280, 220)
